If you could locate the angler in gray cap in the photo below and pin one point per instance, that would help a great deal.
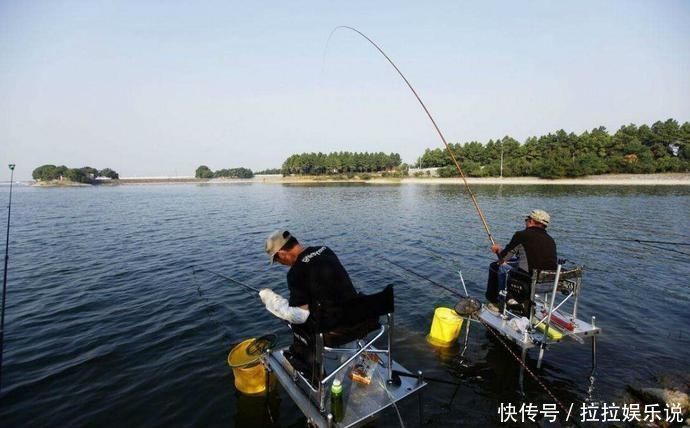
(528, 250)
(317, 282)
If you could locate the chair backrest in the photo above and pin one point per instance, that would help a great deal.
(568, 280)
(365, 306)
(357, 317)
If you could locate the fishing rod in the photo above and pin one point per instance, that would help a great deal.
(438, 130)
(247, 286)
(456, 292)
(4, 275)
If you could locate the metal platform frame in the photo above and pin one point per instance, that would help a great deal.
(361, 403)
(545, 287)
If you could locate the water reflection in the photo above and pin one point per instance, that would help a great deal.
(257, 411)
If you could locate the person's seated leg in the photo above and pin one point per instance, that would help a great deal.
(301, 353)
(302, 360)
(518, 297)
(502, 276)
(298, 356)
(492, 283)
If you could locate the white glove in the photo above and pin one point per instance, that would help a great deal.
(279, 306)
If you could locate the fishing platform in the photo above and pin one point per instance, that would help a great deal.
(361, 403)
(546, 313)
(371, 380)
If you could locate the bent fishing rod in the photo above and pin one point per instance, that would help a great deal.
(4, 275)
(438, 130)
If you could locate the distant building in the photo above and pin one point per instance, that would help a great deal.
(424, 172)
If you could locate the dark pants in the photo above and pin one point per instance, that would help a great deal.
(301, 353)
(499, 275)
(491, 293)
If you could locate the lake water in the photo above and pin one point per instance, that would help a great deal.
(106, 325)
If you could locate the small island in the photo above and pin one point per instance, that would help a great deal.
(204, 172)
(51, 175)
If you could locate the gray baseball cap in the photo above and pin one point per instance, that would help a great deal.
(275, 242)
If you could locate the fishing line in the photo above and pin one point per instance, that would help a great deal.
(325, 49)
(384, 384)
(4, 275)
(410, 271)
(210, 311)
(648, 243)
(665, 249)
(422, 251)
(639, 241)
(524, 365)
(527, 369)
(246, 286)
(438, 130)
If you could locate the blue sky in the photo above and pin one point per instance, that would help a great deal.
(153, 88)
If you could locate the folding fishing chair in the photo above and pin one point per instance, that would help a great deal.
(361, 319)
(526, 288)
(548, 293)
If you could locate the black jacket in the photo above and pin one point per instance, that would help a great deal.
(319, 280)
(534, 248)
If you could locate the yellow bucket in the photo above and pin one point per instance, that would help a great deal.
(445, 328)
(250, 375)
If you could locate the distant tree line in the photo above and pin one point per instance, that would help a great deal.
(340, 162)
(77, 175)
(269, 171)
(205, 172)
(663, 147)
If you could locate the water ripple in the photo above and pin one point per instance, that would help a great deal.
(105, 324)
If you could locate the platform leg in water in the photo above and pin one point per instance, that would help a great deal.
(522, 371)
(594, 347)
(467, 338)
(420, 379)
(590, 388)
(268, 390)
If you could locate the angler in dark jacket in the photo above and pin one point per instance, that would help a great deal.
(528, 250)
(319, 286)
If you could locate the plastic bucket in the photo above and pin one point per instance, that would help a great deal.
(249, 371)
(445, 328)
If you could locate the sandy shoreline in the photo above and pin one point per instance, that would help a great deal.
(671, 179)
